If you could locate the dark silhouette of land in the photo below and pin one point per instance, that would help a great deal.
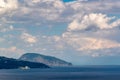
(9, 63)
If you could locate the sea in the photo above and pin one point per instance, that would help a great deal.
(110, 72)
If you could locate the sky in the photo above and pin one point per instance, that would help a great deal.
(84, 32)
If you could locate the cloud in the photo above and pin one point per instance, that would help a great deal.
(6, 28)
(12, 51)
(44, 10)
(81, 42)
(93, 21)
(28, 38)
(8, 6)
(52, 11)
(77, 45)
(96, 44)
(90, 30)
(2, 39)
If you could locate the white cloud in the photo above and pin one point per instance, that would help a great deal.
(6, 28)
(44, 9)
(83, 43)
(94, 44)
(52, 11)
(28, 38)
(93, 21)
(8, 6)
(78, 15)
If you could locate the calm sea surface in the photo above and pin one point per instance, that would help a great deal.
(64, 73)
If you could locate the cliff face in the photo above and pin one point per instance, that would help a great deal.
(9, 63)
(48, 60)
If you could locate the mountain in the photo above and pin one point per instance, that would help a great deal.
(49, 60)
(9, 63)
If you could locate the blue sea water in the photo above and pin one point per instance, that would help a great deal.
(64, 73)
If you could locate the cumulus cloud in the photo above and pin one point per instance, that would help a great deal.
(28, 38)
(8, 6)
(44, 10)
(93, 21)
(94, 44)
(88, 25)
(52, 11)
(77, 45)
(80, 42)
